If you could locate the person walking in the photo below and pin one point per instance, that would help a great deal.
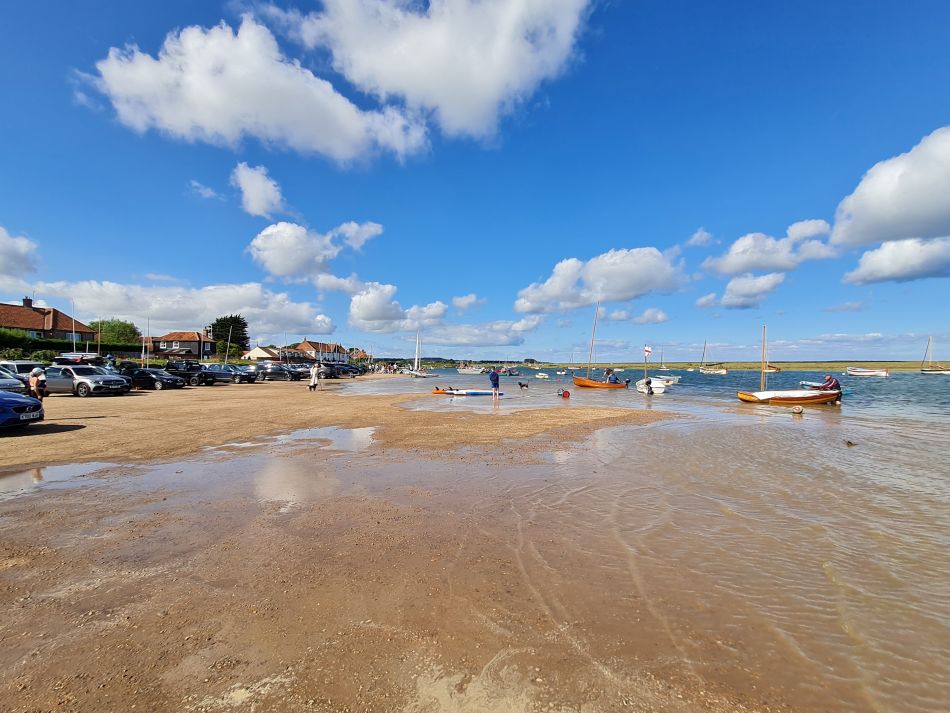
(314, 376)
(493, 378)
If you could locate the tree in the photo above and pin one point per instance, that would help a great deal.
(116, 331)
(237, 326)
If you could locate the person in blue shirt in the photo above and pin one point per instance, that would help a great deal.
(611, 377)
(493, 378)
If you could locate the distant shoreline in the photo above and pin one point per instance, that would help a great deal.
(832, 366)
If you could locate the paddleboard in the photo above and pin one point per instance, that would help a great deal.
(465, 392)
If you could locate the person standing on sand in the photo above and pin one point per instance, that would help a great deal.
(314, 375)
(493, 378)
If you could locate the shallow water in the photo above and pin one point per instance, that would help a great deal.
(742, 549)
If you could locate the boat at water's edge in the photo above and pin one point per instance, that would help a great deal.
(790, 397)
(584, 382)
(861, 371)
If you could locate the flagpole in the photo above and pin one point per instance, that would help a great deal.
(73, 305)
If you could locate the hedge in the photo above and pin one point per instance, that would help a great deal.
(16, 339)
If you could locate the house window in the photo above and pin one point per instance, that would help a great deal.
(174, 345)
(207, 346)
(35, 335)
(161, 345)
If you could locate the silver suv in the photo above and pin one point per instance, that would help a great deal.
(82, 380)
(9, 382)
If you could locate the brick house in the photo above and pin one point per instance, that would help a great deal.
(321, 351)
(182, 345)
(44, 322)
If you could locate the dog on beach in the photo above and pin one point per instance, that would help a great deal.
(523, 385)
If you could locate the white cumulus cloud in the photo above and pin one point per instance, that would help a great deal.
(652, 315)
(290, 250)
(184, 308)
(17, 254)
(700, 238)
(356, 235)
(758, 251)
(902, 261)
(465, 61)
(748, 291)
(613, 276)
(464, 302)
(375, 309)
(219, 86)
(706, 301)
(260, 194)
(202, 190)
(900, 197)
(487, 334)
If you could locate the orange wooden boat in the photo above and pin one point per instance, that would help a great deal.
(591, 384)
(794, 397)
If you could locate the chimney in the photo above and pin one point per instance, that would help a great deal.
(28, 302)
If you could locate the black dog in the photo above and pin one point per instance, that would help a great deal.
(523, 385)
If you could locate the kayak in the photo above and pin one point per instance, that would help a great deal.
(465, 392)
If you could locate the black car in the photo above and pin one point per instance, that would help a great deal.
(349, 370)
(232, 373)
(192, 372)
(273, 372)
(154, 379)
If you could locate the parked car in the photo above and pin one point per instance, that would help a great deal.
(272, 371)
(7, 374)
(11, 384)
(157, 379)
(82, 380)
(19, 410)
(231, 372)
(191, 371)
(112, 371)
(21, 367)
(350, 370)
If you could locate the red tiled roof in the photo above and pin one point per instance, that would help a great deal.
(308, 346)
(182, 337)
(41, 319)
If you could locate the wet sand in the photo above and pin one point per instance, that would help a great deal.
(157, 425)
(640, 568)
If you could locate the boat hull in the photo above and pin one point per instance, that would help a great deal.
(658, 386)
(713, 372)
(860, 371)
(933, 371)
(582, 382)
(794, 397)
(471, 370)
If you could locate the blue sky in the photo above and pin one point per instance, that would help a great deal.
(486, 172)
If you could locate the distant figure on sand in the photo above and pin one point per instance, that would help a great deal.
(611, 378)
(830, 384)
(314, 375)
(493, 378)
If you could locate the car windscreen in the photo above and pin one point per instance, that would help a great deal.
(84, 370)
(158, 372)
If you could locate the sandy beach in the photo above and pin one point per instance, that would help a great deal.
(261, 548)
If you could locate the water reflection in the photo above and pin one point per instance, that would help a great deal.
(294, 482)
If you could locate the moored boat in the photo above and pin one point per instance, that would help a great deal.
(789, 397)
(656, 386)
(587, 382)
(931, 367)
(861, 371)
(470, 369)
(542, 375)
(715, 369)
(785, 397)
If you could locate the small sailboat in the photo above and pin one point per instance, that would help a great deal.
(587, 382)
(646, 385)
(716, 369)
(662, 366)
(861, 371)
(788, 397)
(470, 369)
(931, 367)
(542, 375)
(416, 372)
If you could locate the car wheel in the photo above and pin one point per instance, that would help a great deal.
(83, 390)
(159, 386)
(194, 381)
(235, 379)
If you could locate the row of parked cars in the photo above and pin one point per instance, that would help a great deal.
(95, 377)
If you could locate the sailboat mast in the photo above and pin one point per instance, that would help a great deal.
(703, 362)
(590, 354)
(415, 364)
(928, 354)
(762, 375)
